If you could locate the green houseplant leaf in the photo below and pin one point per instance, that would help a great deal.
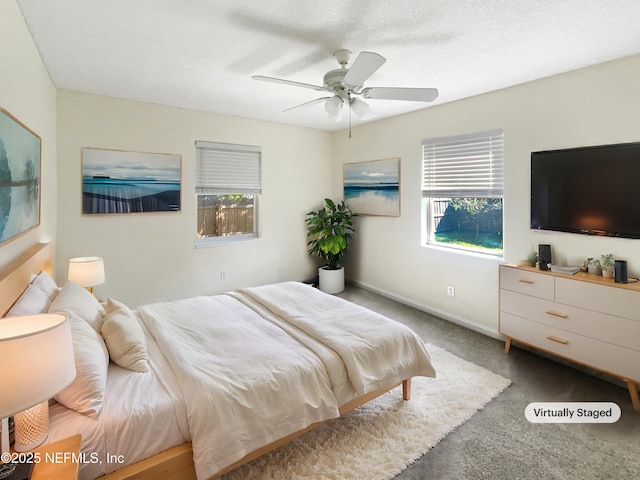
(329, 231)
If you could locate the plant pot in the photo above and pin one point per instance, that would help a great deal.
(331, 281)
(607, 273)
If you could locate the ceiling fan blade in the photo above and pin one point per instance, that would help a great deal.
(362, 68)
(399, 93)
(288, 82)
(307, 104)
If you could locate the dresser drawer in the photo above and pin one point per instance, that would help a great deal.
(596, 325)
(601, 298)
(603, 356)
(530, 283)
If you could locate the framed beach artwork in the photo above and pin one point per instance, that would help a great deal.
(373, 187)
(20, 155)
(120, 182)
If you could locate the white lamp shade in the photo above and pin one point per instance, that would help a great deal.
(86, 271)
(362, 109)
(332, 105)
(36, 355)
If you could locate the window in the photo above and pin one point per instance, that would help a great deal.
(462, 190)
(228, 184)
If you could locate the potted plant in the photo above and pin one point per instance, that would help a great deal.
(329, 231)
(608, 264)
(594, 266)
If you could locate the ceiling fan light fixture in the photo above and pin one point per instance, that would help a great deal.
(333, 105)
(361, 109)
(337, 117)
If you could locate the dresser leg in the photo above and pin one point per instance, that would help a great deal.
(507, 345)
(633, 391)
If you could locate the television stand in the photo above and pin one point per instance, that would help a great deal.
(583, 318)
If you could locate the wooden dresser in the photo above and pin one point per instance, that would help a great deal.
(583, 318)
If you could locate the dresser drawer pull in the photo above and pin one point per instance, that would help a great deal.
(557, 314)
(528, 282)
(557, 340)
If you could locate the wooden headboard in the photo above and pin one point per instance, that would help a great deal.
(15, 277)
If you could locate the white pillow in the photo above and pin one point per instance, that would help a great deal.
(124, 337)
(45, 283)
(31, 302)
(85, 394)
(75, 300)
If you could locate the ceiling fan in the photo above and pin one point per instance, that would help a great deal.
(347, 86)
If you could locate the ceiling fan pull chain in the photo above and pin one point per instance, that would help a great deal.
(349, 98)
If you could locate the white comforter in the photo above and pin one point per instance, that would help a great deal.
(248, 379)
(375, 350)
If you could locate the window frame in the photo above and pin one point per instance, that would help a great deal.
(446, 166)
(228, 169)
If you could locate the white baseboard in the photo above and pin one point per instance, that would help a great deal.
(425, 308)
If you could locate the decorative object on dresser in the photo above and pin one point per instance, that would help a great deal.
(87, 272)
(544, 256)
(620, 271)
(593, 266)
(607, 265)
(584, 318)
(27, 345)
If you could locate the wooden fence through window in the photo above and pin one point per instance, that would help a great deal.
(222, 220)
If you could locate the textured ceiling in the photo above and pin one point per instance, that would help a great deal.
(201, 54)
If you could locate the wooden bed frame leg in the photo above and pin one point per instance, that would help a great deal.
(406, 389)
(633, 391)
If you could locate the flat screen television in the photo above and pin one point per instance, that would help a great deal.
(588, 190)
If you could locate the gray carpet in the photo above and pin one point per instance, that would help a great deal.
(498, 442)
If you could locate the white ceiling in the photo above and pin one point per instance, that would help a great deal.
(201, 54)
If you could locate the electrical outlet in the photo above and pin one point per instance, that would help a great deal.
(451, 290)
(223, 275)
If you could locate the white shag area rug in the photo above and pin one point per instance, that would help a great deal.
(381, 438)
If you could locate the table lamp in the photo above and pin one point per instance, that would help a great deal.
(86, 271)
(36, 355)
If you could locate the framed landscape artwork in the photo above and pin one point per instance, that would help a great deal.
(373, 187)
(119, 182)
(20, 155)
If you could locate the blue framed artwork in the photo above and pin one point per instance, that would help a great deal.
(373, 187)
(121, 182)
(20, 156)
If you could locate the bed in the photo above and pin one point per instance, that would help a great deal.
(193, 388)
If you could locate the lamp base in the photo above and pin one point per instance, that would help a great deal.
(32, 427)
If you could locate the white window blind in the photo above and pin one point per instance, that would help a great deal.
(227, 168)
(464, 166)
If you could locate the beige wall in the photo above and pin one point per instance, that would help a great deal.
(151, 257)
(591, 106)
(26, 91)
